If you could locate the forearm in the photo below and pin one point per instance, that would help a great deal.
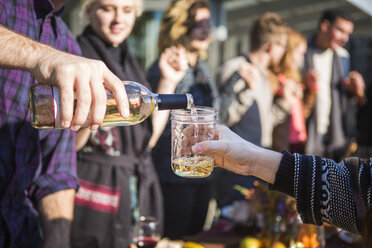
(233, 153)
(56, 214)
(166, 86)
(82, 137)
(267, 164)
(159, 121)
(160, 118)
(20, 52)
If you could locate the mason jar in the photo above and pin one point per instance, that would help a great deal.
(191, 126)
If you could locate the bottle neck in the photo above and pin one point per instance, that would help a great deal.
(174, 101)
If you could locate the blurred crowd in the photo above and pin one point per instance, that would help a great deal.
(287, 92)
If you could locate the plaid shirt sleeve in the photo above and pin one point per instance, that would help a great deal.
(58, 170)
(57, 146)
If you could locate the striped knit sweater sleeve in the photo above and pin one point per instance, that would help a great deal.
(326, 191)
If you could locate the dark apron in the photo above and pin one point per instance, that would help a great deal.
(103, 214)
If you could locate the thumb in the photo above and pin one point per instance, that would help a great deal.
(211, 146)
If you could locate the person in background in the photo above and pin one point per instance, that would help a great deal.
(329, 121)
(291, 134)
(325, 191)
(243, 81)
(118, 182)
(248, 105)
(38, 167)
(183, 40)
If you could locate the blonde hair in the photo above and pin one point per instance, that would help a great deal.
(295, 39)
(268, 28)
(177, 21)
(85, 4)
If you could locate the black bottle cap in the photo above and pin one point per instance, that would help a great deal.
(172, 101)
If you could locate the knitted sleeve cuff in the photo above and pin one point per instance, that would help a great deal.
(284, 179)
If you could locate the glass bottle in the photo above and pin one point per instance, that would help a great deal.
(45, 105)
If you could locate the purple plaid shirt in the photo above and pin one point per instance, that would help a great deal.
(33, 163)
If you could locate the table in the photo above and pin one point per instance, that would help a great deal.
(224, 235)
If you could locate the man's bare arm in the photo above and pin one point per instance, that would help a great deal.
(88, 78)
(56, 213)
